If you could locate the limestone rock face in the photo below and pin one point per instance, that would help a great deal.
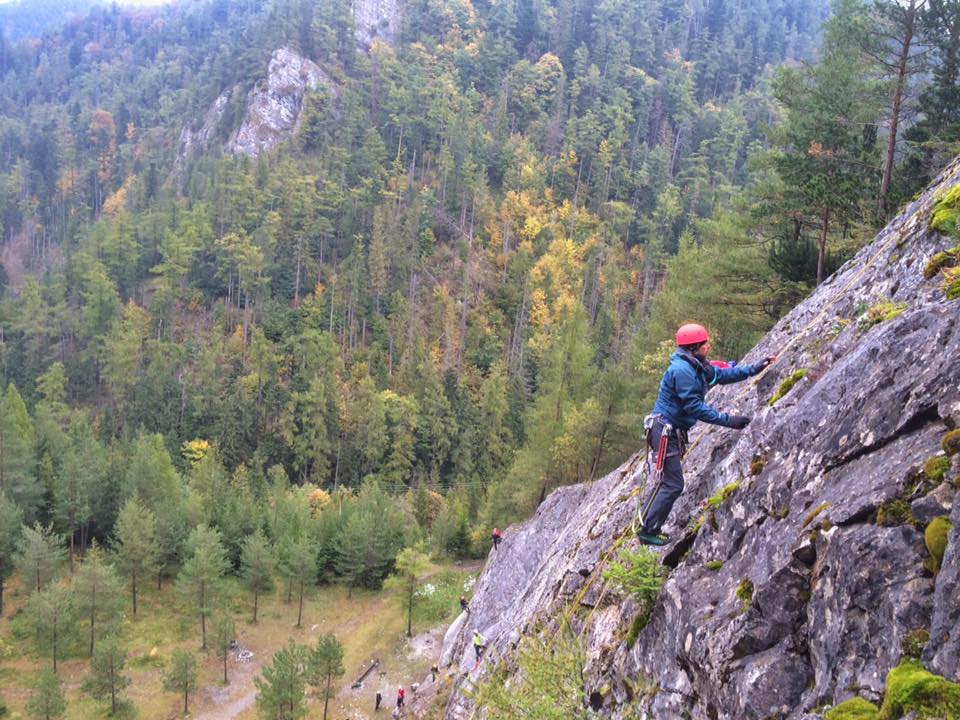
(375, 19)
(834, 591)
(273, 107)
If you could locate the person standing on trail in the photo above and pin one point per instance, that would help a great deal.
(377, 700)
(478, 642)
(680, 403)
(496, 538)
(400, 696)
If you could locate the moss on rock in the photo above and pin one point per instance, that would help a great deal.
(912, 644)
(895, 512)
(935, 537)
(745, 593)
(880, 312)
(787, 385)
(946, 213)
(812, 515)
(911, 688)
(719, 497)
(936, 467)
(714, 565)
(951, 442)
(855, 708)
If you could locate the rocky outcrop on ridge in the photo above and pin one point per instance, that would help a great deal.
(272, 108)
(832, 570)
(376, 19)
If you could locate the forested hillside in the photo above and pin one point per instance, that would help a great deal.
(454, 286)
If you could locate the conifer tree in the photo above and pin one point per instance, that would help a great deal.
(202, 573)
(47, 701)
(51, 613)
(280, 690)
(411, 565)
(135, 544)
(96, 590)
(182, 675)
(224, 633)
(106, 673)
(11, 526)
(39, 556)
(325, 664)
(257, 564)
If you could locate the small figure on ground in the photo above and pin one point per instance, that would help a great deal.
(377, 701)
(496, 538)
(464, 607)
(434, 671)
(478, 643)
(680, 403)
(400, 696)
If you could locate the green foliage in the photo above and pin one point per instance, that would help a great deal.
(935, 468)
(200, 577)
(714, 565)
(40, 556)
(548, 684)
(856, 708)
(913, 642)
(136, 547)
(787, 385)
(257, 564)
(941, 261)
(182, 675)
(11, 521)
(326, 664)
(722, 495)
(97, 595)
(813, 514)
(935, 537)
(411, 566)
(106, 680)
(946, 212)
(880, 312)
(47, 701)
(281, 688)
(639, 574)
(224, 633)
(438, 597)
(910, 688)
(895, 512)
(745, 593)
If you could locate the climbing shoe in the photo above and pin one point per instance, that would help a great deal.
(658, 539)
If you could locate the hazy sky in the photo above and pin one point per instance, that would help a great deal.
(108, 2)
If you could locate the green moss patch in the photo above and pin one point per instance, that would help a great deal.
(951, 442)
(787, 385)
(935, 537)
(936, 467)
(951, 283)
(895, 512)
(941, 261)
(882, 311)
(714, 565)
(946, 213)
(853, 709)
(911, 688)
(719, 497)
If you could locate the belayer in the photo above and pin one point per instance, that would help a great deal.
(680, 403)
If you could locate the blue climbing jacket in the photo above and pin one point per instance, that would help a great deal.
(684, 385)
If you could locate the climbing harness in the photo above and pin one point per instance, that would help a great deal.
(656, 474)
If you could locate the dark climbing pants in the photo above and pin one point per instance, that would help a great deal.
(671, 484)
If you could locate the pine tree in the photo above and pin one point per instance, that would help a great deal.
(224, 634)
(135, 544)
(280, 691)
(182, 675)
(40, 555)
(51, 613)
(106, 673)
(11, 526)
(47, 701)
(411, 565)
(17, 474)
(202, 573)
(96, 590)
(257, 564)
(325, 664)
(299, 566)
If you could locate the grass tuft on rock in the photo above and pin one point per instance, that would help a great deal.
(951, 442)
(745, 593)
(895, 512)
(719, 497)
(912, 644)
(936, 467)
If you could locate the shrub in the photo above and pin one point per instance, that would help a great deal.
(638, 573)
(895, 512)
(935, 537)
(855, 708)
(910, 688)
(787, 385)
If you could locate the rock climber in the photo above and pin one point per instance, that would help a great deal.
(680, 403)
(377, 701)
(496, 538)
(478, 643)
(400, 695)
(464, 607)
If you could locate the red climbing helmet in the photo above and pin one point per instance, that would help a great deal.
(691, 334)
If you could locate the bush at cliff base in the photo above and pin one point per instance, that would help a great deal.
(910, 688)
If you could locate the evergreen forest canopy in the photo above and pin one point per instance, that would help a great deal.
(455, 287)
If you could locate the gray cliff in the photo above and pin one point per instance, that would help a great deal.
(834, 591)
